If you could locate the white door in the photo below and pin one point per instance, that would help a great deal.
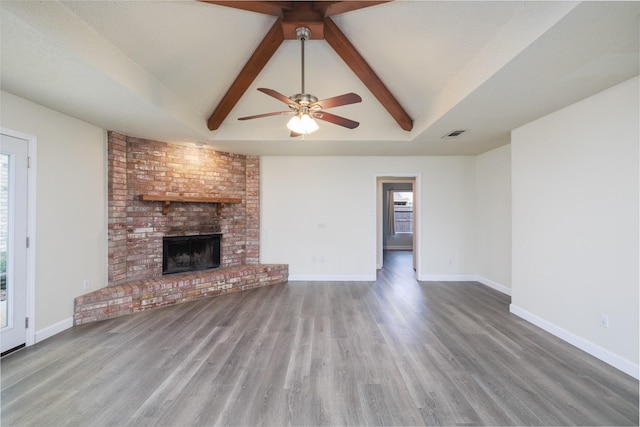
(13, 241)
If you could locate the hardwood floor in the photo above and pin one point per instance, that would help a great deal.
(393, 352)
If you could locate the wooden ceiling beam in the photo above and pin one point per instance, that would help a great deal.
(330, 8)
(343, 47)
(273, 8)
(304, 15)
(252, 68)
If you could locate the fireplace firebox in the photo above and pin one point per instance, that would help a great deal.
(190, 253)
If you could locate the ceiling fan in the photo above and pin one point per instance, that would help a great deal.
(315, 16)
(306, 107)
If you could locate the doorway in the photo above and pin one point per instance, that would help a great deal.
(397, 225)
(14, 219)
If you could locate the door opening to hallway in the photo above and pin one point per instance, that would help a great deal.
(398, 236)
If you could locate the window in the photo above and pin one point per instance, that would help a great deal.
(403, 211)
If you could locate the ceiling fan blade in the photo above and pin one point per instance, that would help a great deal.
(259, 116)
(336, 120)
(294, 134)
(250, 71)
(337, 101)
(277, 95)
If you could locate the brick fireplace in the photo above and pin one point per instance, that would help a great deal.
(139, 168)
(136, 227)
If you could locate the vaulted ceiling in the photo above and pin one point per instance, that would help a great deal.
(161, 69)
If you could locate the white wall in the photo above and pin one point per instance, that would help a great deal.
(71, 207)
(318, 214)
(575, 223)
(493, 221)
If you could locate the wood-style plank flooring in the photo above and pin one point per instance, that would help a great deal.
(391, 352)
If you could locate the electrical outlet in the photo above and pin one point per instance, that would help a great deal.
(85, 284)
(604, 321)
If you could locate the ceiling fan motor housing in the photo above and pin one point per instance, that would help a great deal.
(303, 99)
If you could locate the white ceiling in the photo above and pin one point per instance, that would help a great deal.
(157, 69)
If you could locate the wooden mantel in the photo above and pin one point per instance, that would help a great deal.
(220, 201)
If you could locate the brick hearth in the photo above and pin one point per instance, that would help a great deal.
(141, 295)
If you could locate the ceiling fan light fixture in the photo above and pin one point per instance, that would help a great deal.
(302, 124)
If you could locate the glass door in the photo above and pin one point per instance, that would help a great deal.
(13, 241)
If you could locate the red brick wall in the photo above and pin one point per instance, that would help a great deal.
(159, 168)
(253, 211)
(117, 207)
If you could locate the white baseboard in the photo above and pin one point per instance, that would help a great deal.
(332, 278)
(494, 285)
(447, 278)
(56, 328)
(465, 278)
(596, 351)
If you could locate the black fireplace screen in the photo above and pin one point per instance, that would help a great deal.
(189, 253)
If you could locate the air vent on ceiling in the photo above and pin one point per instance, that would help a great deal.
(454, 134)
